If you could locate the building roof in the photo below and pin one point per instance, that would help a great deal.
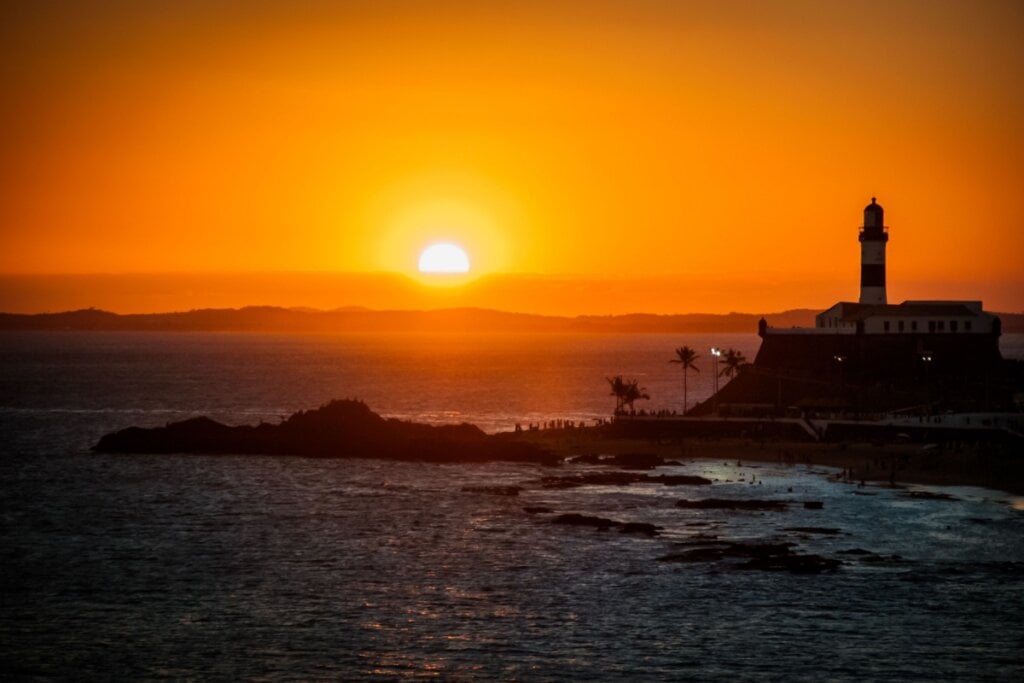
(853, 312)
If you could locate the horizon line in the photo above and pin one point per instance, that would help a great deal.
(443, 309)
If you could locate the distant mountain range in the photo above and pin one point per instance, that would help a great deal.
(275, 319)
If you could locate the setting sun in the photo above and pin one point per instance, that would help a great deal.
(673, 170)
(444, 258)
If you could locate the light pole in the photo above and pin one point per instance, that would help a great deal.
(926, 358)
(840, 360)
(717, 353)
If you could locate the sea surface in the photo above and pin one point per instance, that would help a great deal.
(232, 567)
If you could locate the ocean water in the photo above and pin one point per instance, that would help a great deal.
(196, 567)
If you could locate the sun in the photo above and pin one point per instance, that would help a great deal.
(444, 257)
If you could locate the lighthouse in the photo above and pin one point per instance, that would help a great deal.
(873, 237)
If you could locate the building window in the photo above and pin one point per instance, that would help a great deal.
(900, 325)
(885, 325)
(953, 326)
(931, 325)
(913, 326)
(967, 326)
(942, 326)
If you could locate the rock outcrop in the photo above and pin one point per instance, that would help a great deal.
(603, 524)
(621, 479)
(758, 556)
(340, 429)
(733, 504)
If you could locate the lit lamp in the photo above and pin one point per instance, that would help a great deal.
(840, 360)
(926, 358)
(717, 353)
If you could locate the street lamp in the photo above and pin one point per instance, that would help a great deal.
(926, 359)
(717, 353)
(840, 360)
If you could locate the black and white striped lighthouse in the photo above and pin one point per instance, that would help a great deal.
(873, 237)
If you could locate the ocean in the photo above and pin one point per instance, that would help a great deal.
(199, 567)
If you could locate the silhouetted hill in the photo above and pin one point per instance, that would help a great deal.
(273, 319)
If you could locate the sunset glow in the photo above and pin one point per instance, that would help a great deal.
(724, 150)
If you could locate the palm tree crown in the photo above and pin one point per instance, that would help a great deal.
(733, 362)
(626, 392)
(686, 356)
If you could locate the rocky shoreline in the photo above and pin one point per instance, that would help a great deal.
(994, 466)
(349, 429)
(591, 457)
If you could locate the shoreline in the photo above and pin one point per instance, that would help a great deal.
(984, 466)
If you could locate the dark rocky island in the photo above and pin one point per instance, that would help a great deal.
(340, 429)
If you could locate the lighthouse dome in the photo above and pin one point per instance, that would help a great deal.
(873, 220)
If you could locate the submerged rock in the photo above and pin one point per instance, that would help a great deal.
(588, 459)
(629, 461)
(679, 480)
(794, 564)
(637, 461)
(762, 556)
(603, 524)
(929, 495)
(733, 504)
(719, 550)
(621, 479)
(695, 555)
(537, 510)
(494, 490)
(575, 519)
(827, 531)
(642, 528)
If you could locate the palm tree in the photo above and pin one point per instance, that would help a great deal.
(618, 386)
(626, 392)
(733, 361)
(685, 356)
(634, 393)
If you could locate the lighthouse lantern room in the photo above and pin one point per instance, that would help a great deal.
(873, 237)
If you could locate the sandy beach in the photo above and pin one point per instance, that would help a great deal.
(985, 465)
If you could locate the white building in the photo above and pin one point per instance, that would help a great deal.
(872, 315)
(909, 317)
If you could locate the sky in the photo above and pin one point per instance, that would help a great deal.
(718, 154)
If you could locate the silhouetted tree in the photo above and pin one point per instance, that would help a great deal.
(732, 362)
(626, 392)
(634, 393)
(685, 356)
(618, 386)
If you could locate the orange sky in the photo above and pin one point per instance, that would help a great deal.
(724, 147)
